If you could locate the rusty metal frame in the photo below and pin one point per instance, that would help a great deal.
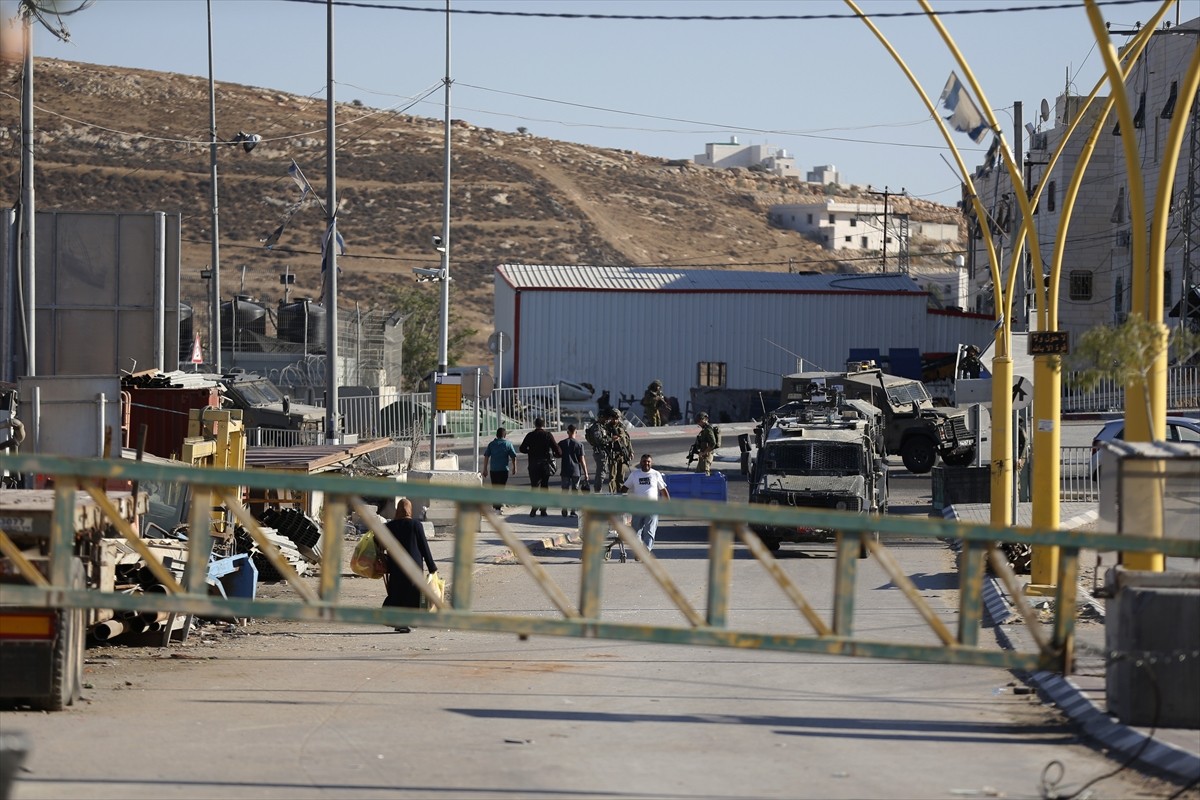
(728, 523)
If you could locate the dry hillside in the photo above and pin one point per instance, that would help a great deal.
(122, 139)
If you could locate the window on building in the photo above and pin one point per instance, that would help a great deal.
(1169, 109)
(832, 218)
(864, 243)
(1081, 284)
(810, 219)
(711, 373)
(1139, 119)
(1051, 200)
(1119, 299)
(1167, 288)
(854, 222)
(849, 240)
(1118, 214)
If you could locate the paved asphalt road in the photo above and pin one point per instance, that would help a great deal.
(305, 710)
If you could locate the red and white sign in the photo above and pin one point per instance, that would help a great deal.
(197, 355)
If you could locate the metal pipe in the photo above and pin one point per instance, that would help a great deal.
(109, 629)
(27, 202)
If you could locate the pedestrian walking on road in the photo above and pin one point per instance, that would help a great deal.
(501, 459)
(541, 448)
(410, 534)
(574, 472)
(647, 482)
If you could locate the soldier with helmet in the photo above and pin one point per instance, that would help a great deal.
(654, 405)
(705, 446)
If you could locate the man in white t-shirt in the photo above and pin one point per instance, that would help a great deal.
(645, 481)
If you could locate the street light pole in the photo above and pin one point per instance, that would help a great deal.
(214, 298)
(444, 249)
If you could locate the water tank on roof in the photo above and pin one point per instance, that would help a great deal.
(239, 316)
(303, 321)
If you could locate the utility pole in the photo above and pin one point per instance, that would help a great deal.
(214, 302)
(332, 433)
(885, 194)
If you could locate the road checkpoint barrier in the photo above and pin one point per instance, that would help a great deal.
(728, 523)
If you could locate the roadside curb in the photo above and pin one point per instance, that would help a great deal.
(1093, 721)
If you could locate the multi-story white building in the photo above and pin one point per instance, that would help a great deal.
(727, 155)
(824, 175)
(1097, 250)
(834, 224)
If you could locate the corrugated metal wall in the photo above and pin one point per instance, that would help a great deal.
(621, 341)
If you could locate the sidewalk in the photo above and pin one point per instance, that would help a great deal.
(1081, 696)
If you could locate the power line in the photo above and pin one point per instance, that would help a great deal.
(969, 11)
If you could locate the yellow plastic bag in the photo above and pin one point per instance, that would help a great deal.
(366, 559)
(438, 584)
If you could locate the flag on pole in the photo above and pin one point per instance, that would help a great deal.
(305, 190)
(301, 181)
(964, 114)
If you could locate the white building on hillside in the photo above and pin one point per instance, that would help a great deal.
(824, 175)
(836, 225)
(728, 155)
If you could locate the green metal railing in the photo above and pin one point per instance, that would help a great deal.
(727, 523)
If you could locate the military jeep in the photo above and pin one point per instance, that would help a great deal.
(825, 453)
(913, 428)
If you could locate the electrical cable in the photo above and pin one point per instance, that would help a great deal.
(713, 17)
(1049, 788)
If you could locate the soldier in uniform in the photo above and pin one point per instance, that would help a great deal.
(620, 453)
(705, 444)
(654, 403)
(598, 439)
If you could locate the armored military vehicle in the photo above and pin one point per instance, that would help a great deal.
(821, 451)
(913, 428)
(264, 406)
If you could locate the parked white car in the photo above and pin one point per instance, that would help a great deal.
(1179, 429)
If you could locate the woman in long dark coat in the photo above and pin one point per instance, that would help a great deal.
(410, 533)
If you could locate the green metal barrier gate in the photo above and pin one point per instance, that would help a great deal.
(727, 524)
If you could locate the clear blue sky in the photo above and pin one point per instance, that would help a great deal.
(823, 89)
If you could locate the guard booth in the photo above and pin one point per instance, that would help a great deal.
(1153, 617)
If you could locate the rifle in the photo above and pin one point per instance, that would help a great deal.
(691, 453)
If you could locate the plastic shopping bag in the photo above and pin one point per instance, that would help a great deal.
(438, 586)
(367, 559)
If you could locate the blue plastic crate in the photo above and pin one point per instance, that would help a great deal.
(696, 486)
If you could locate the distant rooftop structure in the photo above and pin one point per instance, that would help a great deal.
(731, 155)
(662, 279)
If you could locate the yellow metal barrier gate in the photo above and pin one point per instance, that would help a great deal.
(727, 524)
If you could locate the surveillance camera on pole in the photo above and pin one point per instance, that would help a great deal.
(429, 274)
(437, 244)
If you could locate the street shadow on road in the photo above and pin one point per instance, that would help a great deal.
(850, 727)
(928, 580)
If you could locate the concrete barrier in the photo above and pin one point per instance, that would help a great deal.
(1152, 636)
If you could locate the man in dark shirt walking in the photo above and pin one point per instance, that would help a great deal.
(540, 447)
(574, 466)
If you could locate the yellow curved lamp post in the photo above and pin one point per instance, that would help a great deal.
(993, 261)
(1047, 404)
(1145, 422)
(1047, 393)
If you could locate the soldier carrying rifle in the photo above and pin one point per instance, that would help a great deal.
(706, 444)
